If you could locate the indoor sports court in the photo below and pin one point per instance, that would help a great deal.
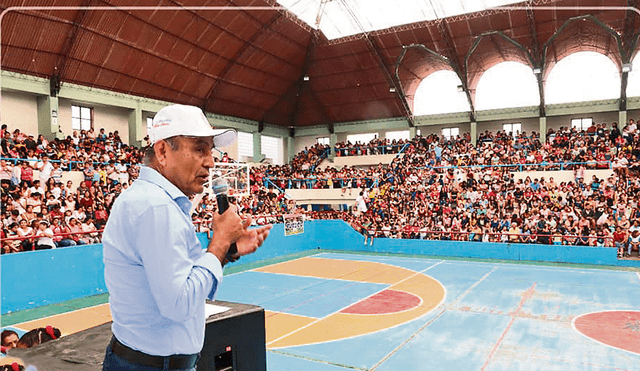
(348, 311)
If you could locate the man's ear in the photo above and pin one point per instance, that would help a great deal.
(160, 148)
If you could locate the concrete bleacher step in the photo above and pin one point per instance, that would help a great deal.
(340, 162)
(332, 196)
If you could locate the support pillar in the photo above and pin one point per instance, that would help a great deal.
(543, 130)
(291, 150)
(412, 132)
(257, 147)
(474, 133)
(622, 119)
(137, 128)
(333, 139)
(48, 117)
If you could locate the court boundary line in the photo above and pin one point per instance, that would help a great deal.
(56, 315)
(469, 259)
(338, 311)
(325, 279)
(442, 311)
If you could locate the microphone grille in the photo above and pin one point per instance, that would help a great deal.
(219, 186)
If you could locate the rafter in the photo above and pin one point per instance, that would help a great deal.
(536, 54)
(301, 80)
(60, 68)
(247, 46)
(454, 60)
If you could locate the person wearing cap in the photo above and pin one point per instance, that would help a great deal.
(44, 236)
(156, 271)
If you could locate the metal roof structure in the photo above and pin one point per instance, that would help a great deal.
(257, 60)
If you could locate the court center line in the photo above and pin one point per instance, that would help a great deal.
(394, 351)
(339, 310)
(527, 295)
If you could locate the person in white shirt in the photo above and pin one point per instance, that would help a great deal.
(44, 236)
(360, 203)
(45, 168)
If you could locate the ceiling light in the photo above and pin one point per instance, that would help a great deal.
(537, 70)
(392, 90)
(306, 78)
(627, 67)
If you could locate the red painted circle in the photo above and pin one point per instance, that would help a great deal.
(619, 329)
(387, 301)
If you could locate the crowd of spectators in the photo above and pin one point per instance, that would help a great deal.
(452, 190)
(47, 212)
(376, 146)
(435, 188)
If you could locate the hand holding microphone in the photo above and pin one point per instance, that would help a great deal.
(226, 223)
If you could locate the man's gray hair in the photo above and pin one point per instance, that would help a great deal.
(150, 154)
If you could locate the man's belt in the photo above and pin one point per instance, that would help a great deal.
(176, 362)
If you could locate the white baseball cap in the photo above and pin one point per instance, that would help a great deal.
(178, 119)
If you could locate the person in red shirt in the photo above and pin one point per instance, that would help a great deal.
(26, 173)
(620, 240)
(101, 216)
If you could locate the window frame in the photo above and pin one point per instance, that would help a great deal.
(81, 119)
(513, 132)
(581, 127)
(448, 137)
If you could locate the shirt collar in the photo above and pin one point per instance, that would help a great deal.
(153, 176)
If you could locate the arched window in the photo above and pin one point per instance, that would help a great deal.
(507, 84)
(438, 93)
(582, 76)
(633, 84)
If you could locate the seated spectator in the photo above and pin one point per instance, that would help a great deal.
(9, 339)
(75, 228)
(88, 226)
(44, 236)
(620, 239)
(26, 233)
(60, 233)
(38, 336)
(634, 238)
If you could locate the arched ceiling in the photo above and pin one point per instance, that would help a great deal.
(252, 63)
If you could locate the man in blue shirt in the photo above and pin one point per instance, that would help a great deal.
(156, 271)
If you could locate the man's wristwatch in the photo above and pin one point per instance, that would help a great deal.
(231, 253)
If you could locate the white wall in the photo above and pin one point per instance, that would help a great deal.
(528, 125)
(437, 129)
(20, 111)
(555, 122)
(111, 119)
(301, 142)
(107, 117)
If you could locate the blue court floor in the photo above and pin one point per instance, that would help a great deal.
(493, 317)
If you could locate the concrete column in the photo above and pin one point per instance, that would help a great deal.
(412, 132)
(333, 139)
(291, 150)
(137, 128)
(543, 130)
(474, 133)
(622, 119)
(48, 117)
(257, 147)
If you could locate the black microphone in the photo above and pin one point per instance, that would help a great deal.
(220, 189)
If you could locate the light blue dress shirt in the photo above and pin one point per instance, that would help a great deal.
(156, 271)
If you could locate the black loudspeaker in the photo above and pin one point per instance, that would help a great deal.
(234, 340)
